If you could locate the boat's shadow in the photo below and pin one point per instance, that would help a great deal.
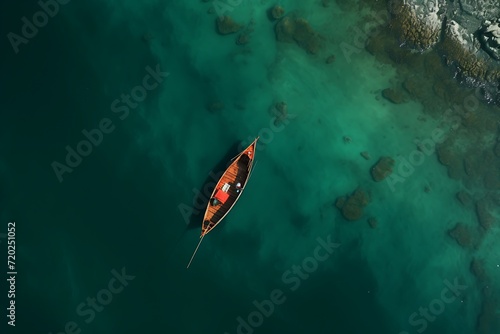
(203, 195)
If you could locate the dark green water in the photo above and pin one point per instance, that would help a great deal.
(124, 208)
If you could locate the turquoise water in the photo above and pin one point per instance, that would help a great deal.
(126, 205)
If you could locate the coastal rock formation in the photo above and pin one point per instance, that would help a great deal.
(393, 95)
(461, 47)
(418, 24)
(226, 25)
(489, 36)
(466, 32)
(298, 30)
(352, 206)
(382, 169)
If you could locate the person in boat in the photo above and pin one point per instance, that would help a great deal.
(238, 187)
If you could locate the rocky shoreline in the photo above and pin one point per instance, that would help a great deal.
(466, 32)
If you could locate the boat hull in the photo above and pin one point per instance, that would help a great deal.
(229, 188)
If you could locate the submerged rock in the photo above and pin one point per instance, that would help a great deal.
(352, 206)
(285, 30)
(242, 39)
(464, 198)
(330, 59)
(276, 12)
(382, 169)
(298, 30)
(414, 88)
(477, 269)
(226, 25)
(366, 155)
(488, 320)
(463, 235)
(484, 217)
(393, 95)
(491, 179)
(445, 155)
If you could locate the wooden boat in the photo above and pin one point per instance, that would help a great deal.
(227, 191)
